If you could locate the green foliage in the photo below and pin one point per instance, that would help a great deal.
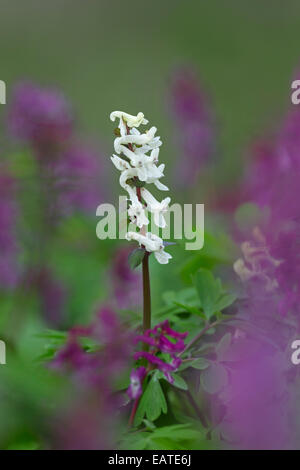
(152, 403)
(173, 437)
(211, 293)
(217, 250)
(179, 381)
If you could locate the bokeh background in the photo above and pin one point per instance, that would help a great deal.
(103, 56)
(106, 55)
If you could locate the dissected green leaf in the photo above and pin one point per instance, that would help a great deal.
(209, 290)
(177, 436)
(152, 403)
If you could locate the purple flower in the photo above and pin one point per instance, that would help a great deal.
(71, 355)
(69, 171)
(77, 174)
(88, 420)
(40, 116)
(272, 182)
(165, 367)
(9, 271)
(106, 362)
(193, 116)
(135, 388)
(159, 343)
(272, 176)
(52, 294)
(257, 399)
(157, 338)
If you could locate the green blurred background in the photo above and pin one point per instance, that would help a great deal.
(108, 55)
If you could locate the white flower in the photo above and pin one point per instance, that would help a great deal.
(151, 243)
(126, 175)
(119, 163)
(137, 214)
(137, 160)
(157, 208)
(131, 121)
(137, 139)
(161, 256)
(160, 186)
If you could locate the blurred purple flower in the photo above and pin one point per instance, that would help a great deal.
(193, 116)
(272, 176)
(85, 423)
(257, 397)
(52, 295)
(127, 284)
(109, 358)
(78, 175)
(9, 272)
(69, 171)
(39, 116)
(89, 420)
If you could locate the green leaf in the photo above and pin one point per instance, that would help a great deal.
(152, 403)
(223, 345)
(209, 290)
(181, 432)
(136, 441)
(177, 436)
(218, 249)
(200, 363)
(190, 309)
(179, 382)
(149, 425)
(214, 378)
(136, 257)
(225, 301)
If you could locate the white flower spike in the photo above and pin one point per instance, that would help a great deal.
(138, 168)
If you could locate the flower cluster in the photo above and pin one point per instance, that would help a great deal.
(40, 116)
(162, 339)
(257, 262)
(139, 168)
(67, 169)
